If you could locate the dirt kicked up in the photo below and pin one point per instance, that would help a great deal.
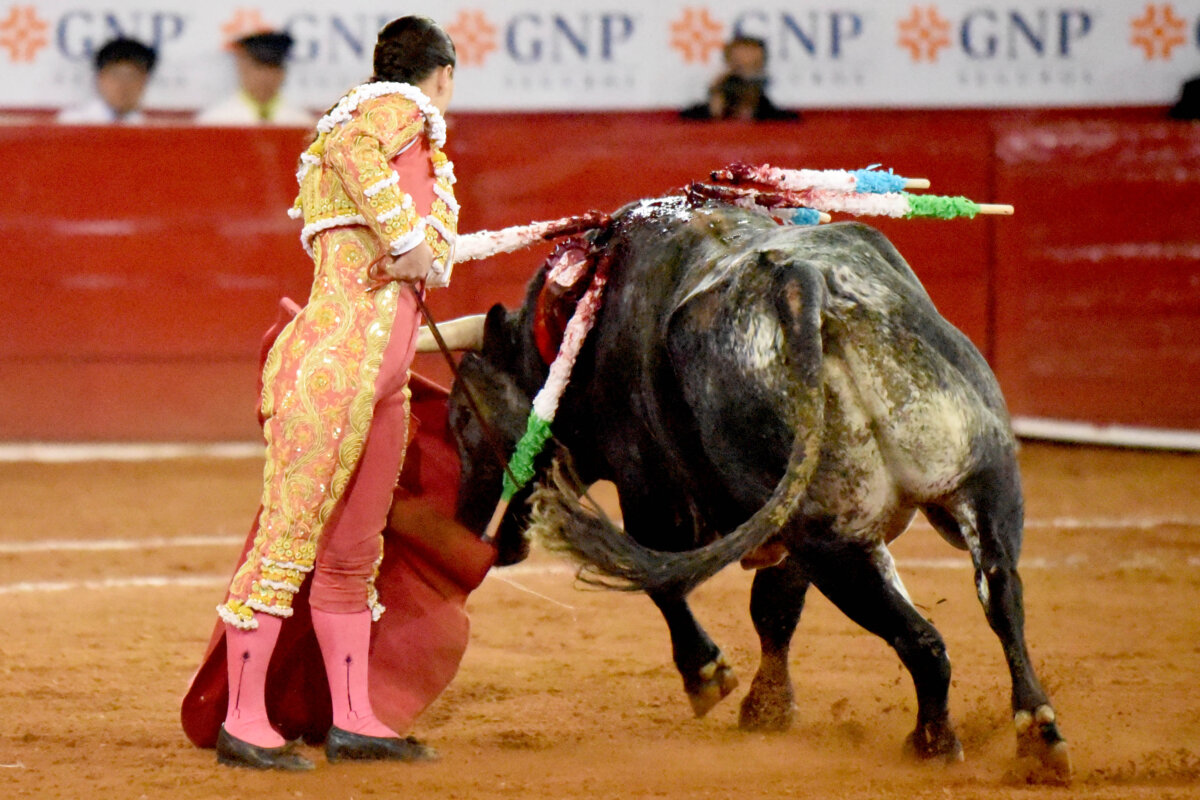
(109, 573)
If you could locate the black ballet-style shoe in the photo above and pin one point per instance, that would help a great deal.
(342, 744)
(233, 752)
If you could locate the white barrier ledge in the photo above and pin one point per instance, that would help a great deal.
(1111, 435)
(1025, 427)
(69, 452)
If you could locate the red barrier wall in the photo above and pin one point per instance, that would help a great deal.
(143, 264)
(1097, 286)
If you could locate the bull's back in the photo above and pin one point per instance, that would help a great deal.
(692, 332)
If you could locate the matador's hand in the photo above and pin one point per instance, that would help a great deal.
(412, 266)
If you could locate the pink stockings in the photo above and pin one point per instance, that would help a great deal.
(345, 641)
(247, 655)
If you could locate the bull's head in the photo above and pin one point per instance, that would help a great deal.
(484, 445)
(507, 363)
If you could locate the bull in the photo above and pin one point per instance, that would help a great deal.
(760, 391)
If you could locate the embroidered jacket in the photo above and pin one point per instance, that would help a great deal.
(350, 175)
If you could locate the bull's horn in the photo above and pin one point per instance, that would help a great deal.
(464, 333)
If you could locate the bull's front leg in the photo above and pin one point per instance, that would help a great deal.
(707, 676)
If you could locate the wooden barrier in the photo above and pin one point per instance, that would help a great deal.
(143, 264)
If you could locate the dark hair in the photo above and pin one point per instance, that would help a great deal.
(742, 39)
(124, 49)
(410, 48)
(269, 48)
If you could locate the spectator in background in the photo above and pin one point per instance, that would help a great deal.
(740, 91)
(123, 68)
(260, 60)
(1188, 104)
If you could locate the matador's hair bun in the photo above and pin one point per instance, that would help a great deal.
(410, 48)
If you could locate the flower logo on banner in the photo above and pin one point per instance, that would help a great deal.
(1158, 31)
(474, 37)
(244, 22)
(924, 33)
(22, 33)
(697, 35)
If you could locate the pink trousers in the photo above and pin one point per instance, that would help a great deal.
(351, 545)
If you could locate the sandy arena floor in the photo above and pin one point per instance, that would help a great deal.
(109, 573)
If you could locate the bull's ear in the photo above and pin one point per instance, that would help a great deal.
(496, 339)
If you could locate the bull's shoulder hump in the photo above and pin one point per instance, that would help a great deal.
(853, 235)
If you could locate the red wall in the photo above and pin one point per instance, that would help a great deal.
(142, 265)
(1097, 298)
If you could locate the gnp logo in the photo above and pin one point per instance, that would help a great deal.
(331, 40)
(23, 33)
(536, 38)
(474, 37)
(78, 33)
(925, 32)
(696, 35)
(533, 38)
(994, 34)
(1159, 30)
(791, 36)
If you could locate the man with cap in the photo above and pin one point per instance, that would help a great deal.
(260, 59)
(123, 68)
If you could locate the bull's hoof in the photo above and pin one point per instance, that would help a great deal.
(934, 740)
(716, 680)
(1042, 752)
(768, 707)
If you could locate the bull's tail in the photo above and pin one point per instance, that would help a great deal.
(613, 559)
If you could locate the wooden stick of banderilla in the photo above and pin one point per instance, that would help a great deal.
(493, 526)
(1002, 209)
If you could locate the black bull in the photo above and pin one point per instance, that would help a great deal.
(747, 387)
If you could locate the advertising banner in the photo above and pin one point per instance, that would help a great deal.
(632, 54)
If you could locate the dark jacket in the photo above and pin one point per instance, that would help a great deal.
(1188, 105)
(740, 92)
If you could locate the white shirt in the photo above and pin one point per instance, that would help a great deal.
(239, 109)
(97, 112)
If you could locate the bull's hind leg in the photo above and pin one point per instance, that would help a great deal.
(707, 676)
(1036, 723)
(860, 579)
(991, 524)
(776, 601)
